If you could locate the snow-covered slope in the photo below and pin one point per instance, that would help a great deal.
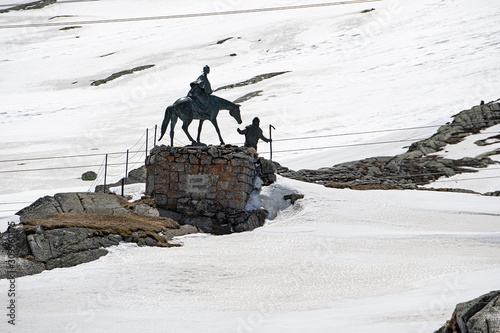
(318, 266)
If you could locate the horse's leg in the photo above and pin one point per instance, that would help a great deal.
(214, 122)
(173, 121)
(199, 129)
(185, 125)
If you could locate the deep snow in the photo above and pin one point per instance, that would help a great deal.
(339, 260)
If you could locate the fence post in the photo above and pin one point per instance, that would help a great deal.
(124, 179)
(105, 172)
(126, 167)
(147, 137)
(156, 128)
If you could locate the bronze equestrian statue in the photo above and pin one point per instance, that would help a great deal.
(198, 104)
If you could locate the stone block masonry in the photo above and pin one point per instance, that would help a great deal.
(215, 179)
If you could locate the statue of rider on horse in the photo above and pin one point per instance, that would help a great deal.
(198, 104)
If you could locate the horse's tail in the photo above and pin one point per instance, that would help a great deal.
(166, 121)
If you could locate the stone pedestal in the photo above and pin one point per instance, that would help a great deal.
(201, 181)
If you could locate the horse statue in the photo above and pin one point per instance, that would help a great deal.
(186, 109)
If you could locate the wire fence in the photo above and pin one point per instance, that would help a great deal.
(137, 153)
(183, 16)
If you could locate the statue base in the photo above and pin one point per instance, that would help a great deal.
(209, 186)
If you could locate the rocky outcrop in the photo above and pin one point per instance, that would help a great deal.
(253, 80)
(413, 168)
(465, 123)
(30, 5)
(481, 315)
(119, 74)
(91, 203)
(266, 170)
(66, 240)
(397, 172)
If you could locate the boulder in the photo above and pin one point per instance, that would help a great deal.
(55, 243)
(183, 230)
(256, 219)
(480, 315)
(145, 210)
(44, 207)
(17, 267)
(14, 242)
(90, 203)
(201, 222)
(89, 176)
(73, 259)
(69, 202)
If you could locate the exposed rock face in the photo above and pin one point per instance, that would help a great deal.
(253, 80)
(413, 168)
(481, 315)
(266, 170)
(30, 5)
(121, 73)
(399, 172)
(466, 122)
(73, 259)
(91, 203)
(53, 244)
(66, 240)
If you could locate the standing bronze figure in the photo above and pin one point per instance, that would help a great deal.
(253, 133)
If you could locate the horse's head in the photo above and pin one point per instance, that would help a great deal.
(235, 113)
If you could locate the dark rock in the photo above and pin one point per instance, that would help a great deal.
(73, 259)
(415, 167)
(145, 210)
(147, 241)
(493, 194)
(31, 5)
(90, 203)
(119, 74)
(248, 96)
(266, 170)
(44, 207)
(57, 242)
(137, 175)
(201, 222)
(69, 202)
(256, 219)
(14, 242)
(224, 40)
(253, 80)
(183, 230)
(71, 28)
(89, 176)
(101, 203)
(481, 315)
(17, 267)
(293, 197)
(172, 215)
